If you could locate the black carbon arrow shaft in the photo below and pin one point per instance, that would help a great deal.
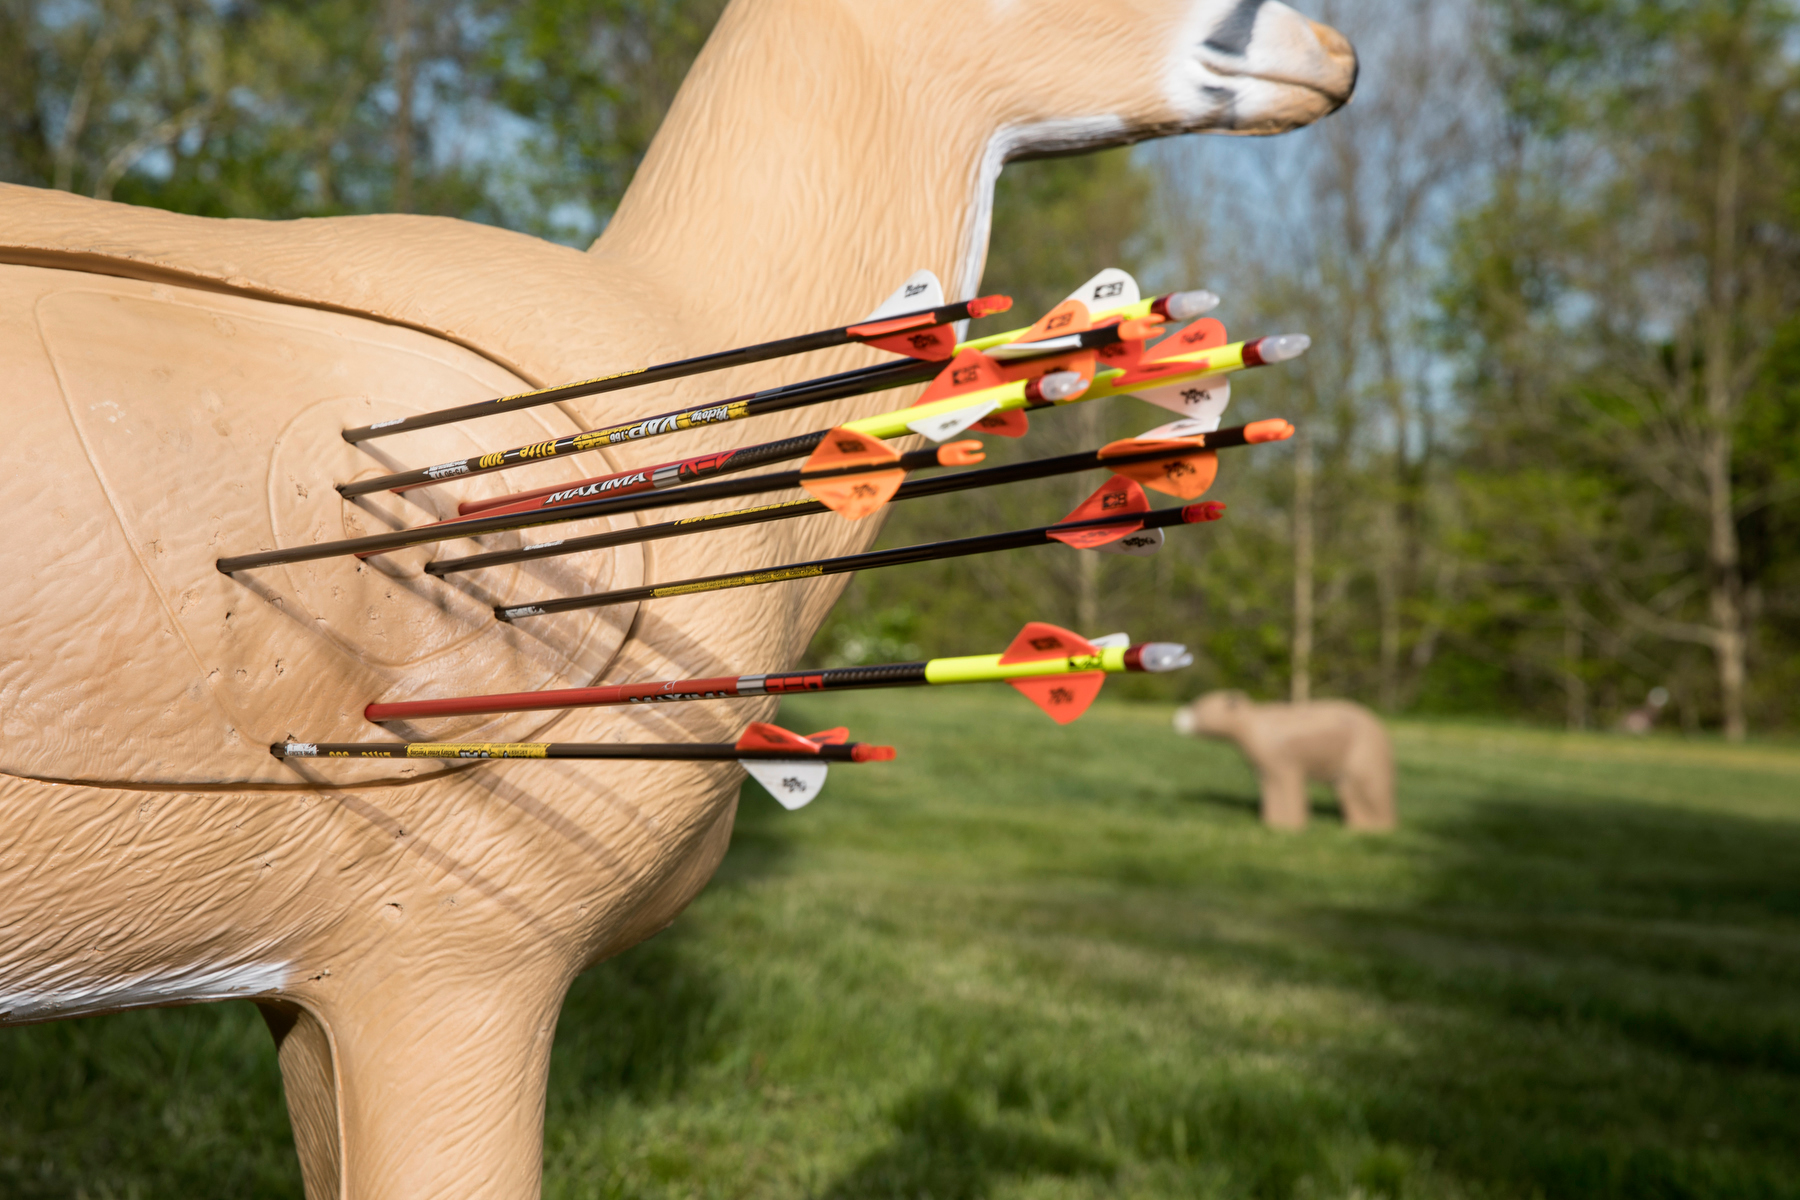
(637, 490)
(736, 408)
(824, 339)
(927, 552)
(880, 377)
(666, 751)
(912, 489)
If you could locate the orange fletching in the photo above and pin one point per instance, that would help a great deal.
(1187, 476)
(911, 336)
(1081, 362)
(830, 737)
(1118, 496)
(1063, 697)
(1071, 316)
(970, 371)
(853, 496)
(1207, 333)
(965, 453)
(1154, 364)
(762, 736)
(1011, 424)
(1040, 640)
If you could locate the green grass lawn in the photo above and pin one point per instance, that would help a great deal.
(1030, 962)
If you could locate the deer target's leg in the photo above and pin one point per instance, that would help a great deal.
(1366, 802)
(309, 1080)
(1284, 797)
(421, 1088)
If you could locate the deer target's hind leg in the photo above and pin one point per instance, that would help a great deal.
(421, 1088)
(1283, 797)
(1366, 792)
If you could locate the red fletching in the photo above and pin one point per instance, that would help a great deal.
(830, 737)
(1118, 496)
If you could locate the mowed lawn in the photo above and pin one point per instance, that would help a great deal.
(1024, 961)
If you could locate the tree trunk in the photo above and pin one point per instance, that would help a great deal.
(1574, 686)
(400, 18)
(1300, 664)
(1387, 600)
(1724, 575)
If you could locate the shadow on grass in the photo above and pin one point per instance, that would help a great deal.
(946, 1148)
(639, 1024)
(762, 841)
(1322, 804)
(1605, 1002)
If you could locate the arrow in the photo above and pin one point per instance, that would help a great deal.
(569, 502)
(736, 408)
(573, 501)
(913, 321)
(1121, 456)
(1040, 651)
(634, 490)
(1125, 517)
(980, 397)
(1113, 295)
(791, 767)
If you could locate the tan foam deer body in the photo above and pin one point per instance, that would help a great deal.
(1330, 741)
(174, 391)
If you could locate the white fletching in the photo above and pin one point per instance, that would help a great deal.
(1111, 288)
(921, 291)
(1121, 640)
(793, 782)
(1141, 544)
(948, 425)
(1202, 400)
(1011, 350)
(1187, 427)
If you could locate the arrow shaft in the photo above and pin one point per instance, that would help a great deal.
(979, 668)
(628, 491)
(675, 751)
(912, 489)
(863, 380)
(926, 552)
(736, 408)
(661, 373)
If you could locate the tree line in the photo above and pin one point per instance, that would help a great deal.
(1549, 459)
